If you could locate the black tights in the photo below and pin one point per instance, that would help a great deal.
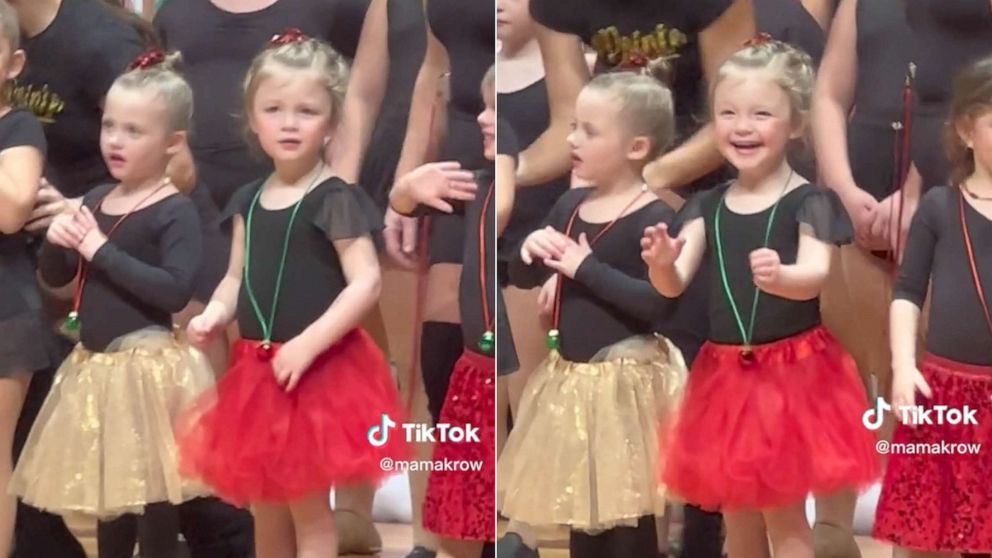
(157, 532)
(620, 542)
(702, 536)
(440, 348)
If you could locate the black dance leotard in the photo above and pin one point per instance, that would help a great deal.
(526, 111)
(777, 318)
(935, 251)
(948, 35)
(218, 47)
(610, 298)
(884, 48)
(24, 338)
(143, 275)
(313, 276)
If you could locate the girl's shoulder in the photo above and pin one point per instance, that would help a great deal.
(702, 204)
(344, 210)
(820, 211)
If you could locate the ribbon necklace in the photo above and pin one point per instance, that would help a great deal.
(976, 280)
(488, 341)
(70, 326)
(553, 339)
(747, 354)
(264, 350)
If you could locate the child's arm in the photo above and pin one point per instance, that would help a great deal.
(432, 186)
(632, 296)
(224, 302)
(802, 280)
(909, 294)
(167, 286)
(672, 263)
(20, 175)
(361, 270)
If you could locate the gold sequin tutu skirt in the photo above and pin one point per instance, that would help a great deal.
(584, 447)
(103, 442)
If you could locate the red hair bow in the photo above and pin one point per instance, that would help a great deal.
(149, 58)
(758, 40)
(287, 37)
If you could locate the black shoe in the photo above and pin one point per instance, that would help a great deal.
(421, 552)
(512, 546)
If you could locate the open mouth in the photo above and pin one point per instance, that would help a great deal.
(746, 147)
(116, 159)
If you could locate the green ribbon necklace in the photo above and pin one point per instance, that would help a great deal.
(265, 347)
(747, 354)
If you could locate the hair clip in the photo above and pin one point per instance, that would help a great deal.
(289, 36)
(758, 40)
(150, 58)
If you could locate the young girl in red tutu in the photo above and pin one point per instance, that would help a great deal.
(103, 444)
(584, 446)
(935, 502)
(773, 405)
(290, 418)
(460, 505)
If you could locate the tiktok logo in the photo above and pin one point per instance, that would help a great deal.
(873, 418)
(378, 435)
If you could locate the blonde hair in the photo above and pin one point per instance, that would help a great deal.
(790, 68)
(307, 54)
(971, 97)
(10, 25)
(489, 80)
(645, 106)
(164, 83)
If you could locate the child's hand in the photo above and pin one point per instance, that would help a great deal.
(434, 184)
(66, 232)
(765, 267)
(906, 381)
(291, 361)
(658, 248)
(94, 239)
(202, 328)
(574, 254)
(543, 244)
(546, 297)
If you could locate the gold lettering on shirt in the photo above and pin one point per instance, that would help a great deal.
(637, 49)
(45, 104)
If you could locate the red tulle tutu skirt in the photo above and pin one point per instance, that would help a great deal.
(766, 433)
(939, 497)
(251, 441)
(461, 504)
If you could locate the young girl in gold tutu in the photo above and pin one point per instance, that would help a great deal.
(103, 442)
(583, 451)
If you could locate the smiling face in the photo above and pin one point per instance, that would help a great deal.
(291, 114)
(135, 137)
(754, 121)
